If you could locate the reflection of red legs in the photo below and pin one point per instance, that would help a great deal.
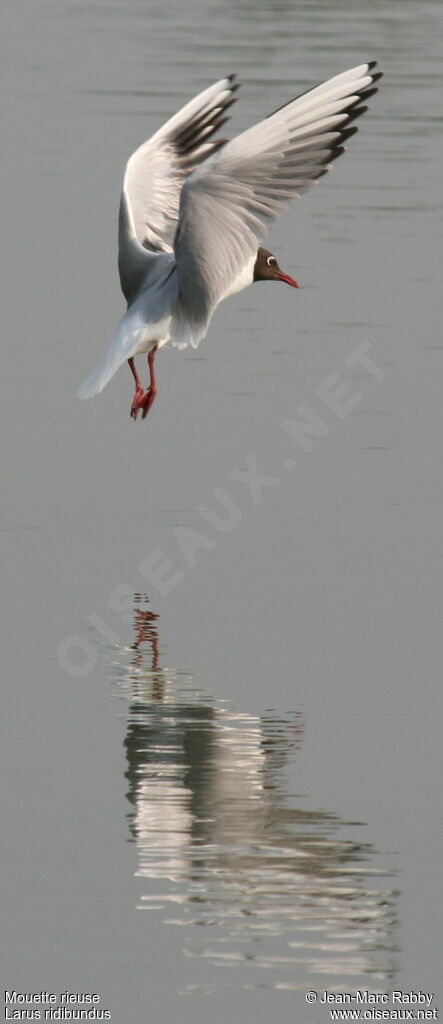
(146, 632)
(143, 399)
(146, 662)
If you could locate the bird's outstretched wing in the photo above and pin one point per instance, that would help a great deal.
(226, 204)
(155, 173)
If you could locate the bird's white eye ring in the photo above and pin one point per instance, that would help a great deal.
(270, 260)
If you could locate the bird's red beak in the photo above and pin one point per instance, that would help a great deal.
(287, 279)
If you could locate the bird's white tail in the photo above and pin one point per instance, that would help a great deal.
(127, 338)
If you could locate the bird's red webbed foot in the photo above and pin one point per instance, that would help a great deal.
(143, 399)
(137, 402)
(148, 400)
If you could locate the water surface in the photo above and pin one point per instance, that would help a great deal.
(223, 793)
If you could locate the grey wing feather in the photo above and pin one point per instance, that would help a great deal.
(228, 202)
(156, 171)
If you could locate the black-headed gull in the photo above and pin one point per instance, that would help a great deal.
(193, 211)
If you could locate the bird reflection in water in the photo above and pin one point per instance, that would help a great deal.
(277, 894)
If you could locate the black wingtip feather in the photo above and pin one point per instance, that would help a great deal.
(189, 135)
(368, 93)
(346, 133)
(233, 84)
(193, 139)
(336, 152)
(355, 112)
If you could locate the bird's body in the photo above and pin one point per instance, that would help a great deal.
(193, 211)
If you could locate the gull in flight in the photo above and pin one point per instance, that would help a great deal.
(195, 209)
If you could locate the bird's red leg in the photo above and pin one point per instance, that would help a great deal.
(139, 390)
(149, 397)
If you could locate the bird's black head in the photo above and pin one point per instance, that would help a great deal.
(267, 269)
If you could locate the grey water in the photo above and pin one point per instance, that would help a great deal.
(221, 697)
